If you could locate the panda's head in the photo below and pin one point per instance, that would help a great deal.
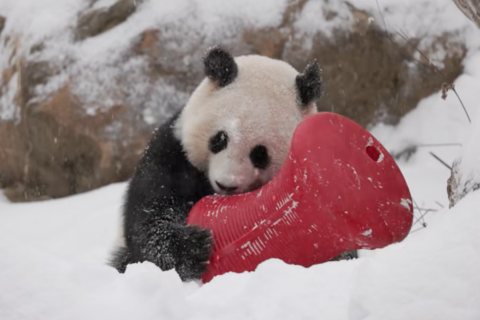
(238, 124)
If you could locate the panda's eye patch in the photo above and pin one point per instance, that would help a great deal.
(218, 142)
(259, 157)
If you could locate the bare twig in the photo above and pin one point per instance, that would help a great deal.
(471, 9)
(463, 106)
(430, 63)
(416, 205)
(439, 145)
(428, 209)
(424, 224)
(383, 19)
(441, 161)
(421, 214)
(416, 230)
(408, 151)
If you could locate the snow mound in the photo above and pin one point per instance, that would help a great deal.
(429, 276)
(53, 267)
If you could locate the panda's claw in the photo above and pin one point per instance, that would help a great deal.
(195, 253)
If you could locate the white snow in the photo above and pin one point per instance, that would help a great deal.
(381, 157)
(468, 168)
(432, 275)
(7, 100)
(406, 203)
(367, 233)
(310, 21)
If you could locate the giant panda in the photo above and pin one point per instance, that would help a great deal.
(232, 136)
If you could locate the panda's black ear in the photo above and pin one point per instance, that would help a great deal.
(309, 84)
(220, 66)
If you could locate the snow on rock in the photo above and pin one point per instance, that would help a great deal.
(104, 73)
(53, 26)
(422, 19)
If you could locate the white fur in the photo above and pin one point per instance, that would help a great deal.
(258, 108)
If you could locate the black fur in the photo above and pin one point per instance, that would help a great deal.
(159, 197)
(347, 255)
(218, 142)
(309, 84)
(220, 66)
(259, 157)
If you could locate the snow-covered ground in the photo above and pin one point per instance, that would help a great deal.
(52, 266)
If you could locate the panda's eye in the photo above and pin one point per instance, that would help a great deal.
(259, 157)
(218, 142)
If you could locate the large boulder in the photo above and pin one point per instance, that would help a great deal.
(77, 105)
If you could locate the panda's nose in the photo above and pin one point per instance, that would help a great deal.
(225, 188)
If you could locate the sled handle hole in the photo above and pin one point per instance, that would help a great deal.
(373, 153)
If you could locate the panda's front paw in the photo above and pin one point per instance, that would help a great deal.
(194, 252)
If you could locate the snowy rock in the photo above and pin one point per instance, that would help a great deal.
(84, 82)
(100, 20)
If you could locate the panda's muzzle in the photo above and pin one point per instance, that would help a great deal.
(225, 188)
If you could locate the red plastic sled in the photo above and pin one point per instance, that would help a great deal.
(338, 190)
